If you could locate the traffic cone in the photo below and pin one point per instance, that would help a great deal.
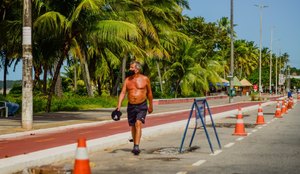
(239, 115)
(292, 103)
(286, 106)
(239, 126)
(289, 106)
(260, 116)
(82, 163)
(283, 108)
(260, 108)
(278, 111)
(298, 96)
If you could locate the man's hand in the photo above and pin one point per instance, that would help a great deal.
(150, 109)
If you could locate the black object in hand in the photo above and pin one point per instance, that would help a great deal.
(116, 115)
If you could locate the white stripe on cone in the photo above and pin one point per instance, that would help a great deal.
(239, 121)
(81, 153)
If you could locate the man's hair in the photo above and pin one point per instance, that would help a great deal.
(138, 65)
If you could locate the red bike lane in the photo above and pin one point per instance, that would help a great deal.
(37, 142)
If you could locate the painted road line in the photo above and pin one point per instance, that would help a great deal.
(259, 127)
(216, 152)
(254, 130)
(240, 139)
(229, 145)
(86, 132)
(268, 122)
(198, 163)
(44, 140)
(115, 127)
(182, 172)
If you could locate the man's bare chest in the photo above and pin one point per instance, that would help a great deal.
(138, 83)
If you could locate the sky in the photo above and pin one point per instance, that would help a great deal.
(281, 16)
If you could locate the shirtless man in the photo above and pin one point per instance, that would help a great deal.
(139, 90)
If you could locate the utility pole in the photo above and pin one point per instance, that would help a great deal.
(260, 45)
(276, 76)
(232, 52)
(27, 102)
(288, 83)
(270, 78)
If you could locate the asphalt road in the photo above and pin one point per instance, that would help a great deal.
(270, 148)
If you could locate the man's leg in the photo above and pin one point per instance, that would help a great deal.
(133, 133)
(136, 134)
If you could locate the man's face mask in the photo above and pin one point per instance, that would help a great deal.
(130, 73)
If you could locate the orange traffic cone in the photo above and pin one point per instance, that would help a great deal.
(239, 126)
(278, 111)
(286, 106)
(298, 96)
(289, 106)
(283, 108)
(260, 116)
(240, 115)
(291, 102)
(82, 163)
(260, 108)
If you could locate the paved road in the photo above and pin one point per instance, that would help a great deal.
(35, 142)
(28, 145)
(270, 148)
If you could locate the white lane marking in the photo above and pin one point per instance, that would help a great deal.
(268, 122)
(182, 172)
(265, 125)
(239, 139)
(249, 134)
(216, 152)
(198, 163)
(259, 127)
(254, 130)
(229, 145)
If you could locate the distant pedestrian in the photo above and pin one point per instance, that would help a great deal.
(289, 93)
(12, 108)
(139, 90)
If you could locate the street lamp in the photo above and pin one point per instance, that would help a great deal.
(231, 51)
(260, 45)
(270, 78)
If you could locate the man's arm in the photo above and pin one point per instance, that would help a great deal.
(149, 96)
(122, 96)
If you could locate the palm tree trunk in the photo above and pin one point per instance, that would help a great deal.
(6, 61)
(123, 68)
(37, 73)
(86, 77)
(52, 87)
(45, 79)
(58, 85)
(75, 78)
(116, 83)
(99, 87)
(159, 76)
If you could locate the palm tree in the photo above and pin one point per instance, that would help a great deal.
(186, 76)
(65, 28)
(157, 21)
(10, 34)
